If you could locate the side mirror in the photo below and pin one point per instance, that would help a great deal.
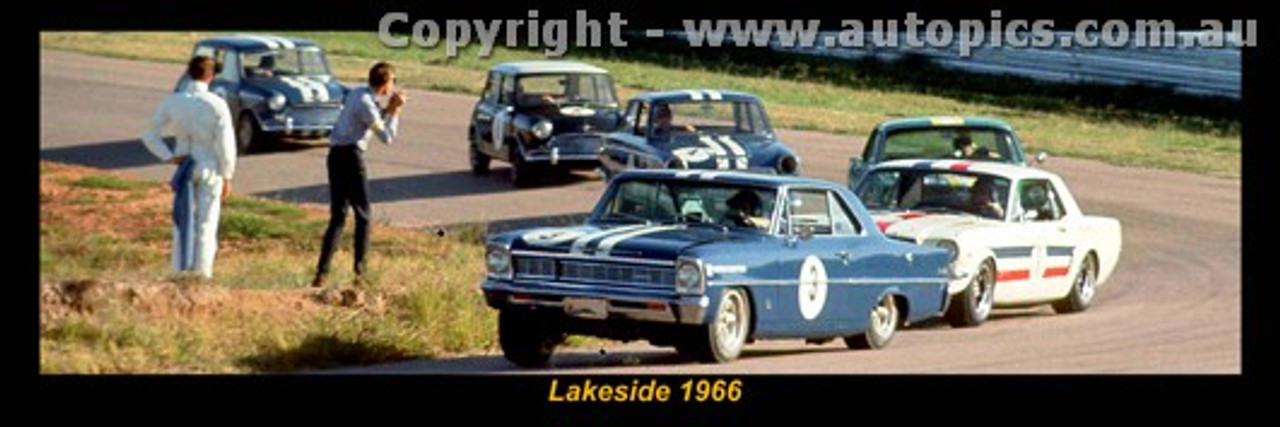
(1041, 157)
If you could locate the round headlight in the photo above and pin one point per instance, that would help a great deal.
(542, 130)
(789, 165)
(498, 261)
(951, 248)
(689, 277)
(276, 102)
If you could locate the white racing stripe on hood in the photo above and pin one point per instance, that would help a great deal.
(693, 94)
(722, 161)
(580, 243)
(739, 154)
(302, 88)
(714, 95)
(319, 90)
(606, 245)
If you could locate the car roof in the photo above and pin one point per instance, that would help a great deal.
(686, 95)
(256, 42)
(726, 177)
(1010, 171)
(925, 122)
(540, 67)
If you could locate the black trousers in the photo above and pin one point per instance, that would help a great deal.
(348, 186)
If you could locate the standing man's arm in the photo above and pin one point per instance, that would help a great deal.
(225, 148)
(384, 123)
(152, 139)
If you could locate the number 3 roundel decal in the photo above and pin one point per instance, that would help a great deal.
(813, 287)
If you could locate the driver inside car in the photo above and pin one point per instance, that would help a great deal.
(662, 122)
(745, 210)
(982, 200)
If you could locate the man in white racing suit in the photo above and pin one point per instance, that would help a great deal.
(205, 137)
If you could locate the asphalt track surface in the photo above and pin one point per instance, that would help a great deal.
(1173, 304)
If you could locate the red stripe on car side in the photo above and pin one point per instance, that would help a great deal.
(1011, 275)
(1056, 271)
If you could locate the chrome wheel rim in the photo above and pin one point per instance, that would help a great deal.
(1086, 281)
(884, 317)
(731, 326)
(986, 293)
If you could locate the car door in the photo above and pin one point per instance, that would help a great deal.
(485, 118)
(821, 262)
(625, 149)
(1057, 255)
(1020, 258)
(226, 83)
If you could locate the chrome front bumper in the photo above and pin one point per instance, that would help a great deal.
(566, 148)
(686, 310)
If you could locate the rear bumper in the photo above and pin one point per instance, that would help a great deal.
(640, 306)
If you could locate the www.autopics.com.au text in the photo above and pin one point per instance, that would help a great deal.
(396, 30)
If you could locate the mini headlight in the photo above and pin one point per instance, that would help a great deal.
(951, 248)
(789, 165)
(276, 102)
(542, 130)
(498, 261)
(689, 278)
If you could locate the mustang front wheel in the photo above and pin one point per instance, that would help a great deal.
(972, 306)
(525, 339)
(882, 323)
(721, 340)
(1083, 287)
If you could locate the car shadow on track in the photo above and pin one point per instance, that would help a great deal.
(567, 360)
(414, 187)
(130, 153)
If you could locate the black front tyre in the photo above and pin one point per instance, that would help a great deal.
(972, 306)
(882, 323)
(479, 160)
(520, 171)
(249, 137)
(526, 340)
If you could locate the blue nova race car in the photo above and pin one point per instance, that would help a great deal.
(696, 129)
(706, 262)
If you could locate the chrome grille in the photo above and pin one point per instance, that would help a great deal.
(314, 115)
(595, 272)
(541, 268)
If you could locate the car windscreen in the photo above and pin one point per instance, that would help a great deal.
(285, 62)
(658, 202)
(947, 143)
(912, 189)
(709, 117)
(564, 89)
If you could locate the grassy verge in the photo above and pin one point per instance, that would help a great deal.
(108, 304)
(809, 95)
